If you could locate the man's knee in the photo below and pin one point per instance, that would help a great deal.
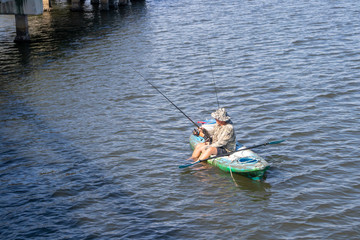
(212, 150)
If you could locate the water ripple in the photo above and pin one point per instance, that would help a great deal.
(88, 149)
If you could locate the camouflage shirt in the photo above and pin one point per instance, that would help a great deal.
(224, 136)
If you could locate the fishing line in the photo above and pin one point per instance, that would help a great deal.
(166, 97)
(212, 72)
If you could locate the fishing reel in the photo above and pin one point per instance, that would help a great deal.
(205, 134)
(196, 132)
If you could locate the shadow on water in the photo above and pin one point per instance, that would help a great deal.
(45, 178)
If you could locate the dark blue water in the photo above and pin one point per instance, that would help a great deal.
(89, 150)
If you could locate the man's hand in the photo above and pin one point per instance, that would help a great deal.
(196, 131)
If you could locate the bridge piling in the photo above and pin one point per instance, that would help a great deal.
(124, 2)
(76, 5)
(105, 6)
(22, 8)
(22, 28)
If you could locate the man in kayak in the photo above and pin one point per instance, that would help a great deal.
(223, 137)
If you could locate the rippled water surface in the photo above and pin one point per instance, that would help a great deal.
(88, 150)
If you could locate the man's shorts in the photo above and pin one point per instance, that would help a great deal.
(221, 151)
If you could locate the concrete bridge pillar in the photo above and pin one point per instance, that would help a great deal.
(124, 2)
(76, 5)
(105, 6)
(112, 4)
(22, 28)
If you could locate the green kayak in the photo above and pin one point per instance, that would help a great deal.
(246, 163)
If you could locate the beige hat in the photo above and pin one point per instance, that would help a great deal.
(221, 115)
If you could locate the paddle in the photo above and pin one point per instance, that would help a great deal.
(229, 153)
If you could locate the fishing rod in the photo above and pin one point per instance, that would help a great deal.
(166, 98)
